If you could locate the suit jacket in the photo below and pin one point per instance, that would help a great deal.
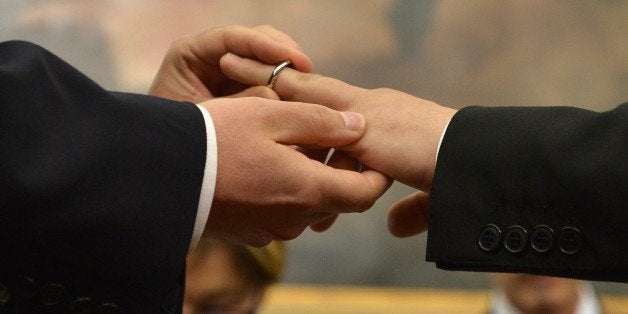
(98, 190)
(533, 190)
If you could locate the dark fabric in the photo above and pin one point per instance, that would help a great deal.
(557, 166)
(98, 190)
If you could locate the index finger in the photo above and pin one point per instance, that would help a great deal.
(292, 85)
(339, 190)
(254, 43)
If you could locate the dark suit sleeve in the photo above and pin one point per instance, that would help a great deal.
(534, 190)
(98, 190)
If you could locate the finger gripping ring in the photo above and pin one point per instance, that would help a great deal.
(276, 71)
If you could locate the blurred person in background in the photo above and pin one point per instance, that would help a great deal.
(227, 278)
(532, 294)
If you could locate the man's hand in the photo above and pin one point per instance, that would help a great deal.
(191, 70)
(401, 140)
(403, 131)
(410, 215)
(266, 189)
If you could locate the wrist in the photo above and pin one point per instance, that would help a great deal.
(442, 121)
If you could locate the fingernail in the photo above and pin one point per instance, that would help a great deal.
(353, 120)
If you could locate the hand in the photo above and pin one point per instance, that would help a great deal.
(401, 140)
(266, 189)
(403, 131)
(191, 71)
(409, 216)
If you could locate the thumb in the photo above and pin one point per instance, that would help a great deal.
(314, 125)
(409, 216)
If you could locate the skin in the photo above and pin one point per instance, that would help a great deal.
(539, 294)
(265, 189)
(401, 140)
(191, 70)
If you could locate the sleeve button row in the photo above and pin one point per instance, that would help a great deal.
(543, 239)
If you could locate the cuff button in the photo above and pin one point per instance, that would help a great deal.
(542, 239)
(83, 305)
(489, 238)
(109, 308)
(515, 239)
(569, 240)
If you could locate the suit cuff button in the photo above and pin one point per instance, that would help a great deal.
(515, 239)
(542, 239)
(489, 238)
(83, 305)
(109, 308)
(569, 240)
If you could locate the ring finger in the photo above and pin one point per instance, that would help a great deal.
(247, 71)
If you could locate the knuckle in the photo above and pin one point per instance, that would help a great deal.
(365, 204)
(260, 242)
(308, 78)
(225, 28)
(360, 203)
(292, 88)
(265, 27)
(289, 234)
(319, 118)
(312, 117)
(354, 206)
(179, 51)
(181, 41)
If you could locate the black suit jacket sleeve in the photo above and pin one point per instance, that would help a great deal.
(534, 190)
(98, 190)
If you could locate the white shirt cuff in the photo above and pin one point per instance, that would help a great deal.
(442, 136)
(209, 180)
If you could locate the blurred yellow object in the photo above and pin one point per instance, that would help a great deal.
(270, 258)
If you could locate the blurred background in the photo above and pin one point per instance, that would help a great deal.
(457, 53)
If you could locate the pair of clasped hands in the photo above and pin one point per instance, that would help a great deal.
(272, 181)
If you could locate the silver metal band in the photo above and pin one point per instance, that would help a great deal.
(276, 71)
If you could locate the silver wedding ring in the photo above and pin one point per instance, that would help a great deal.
(276, 71)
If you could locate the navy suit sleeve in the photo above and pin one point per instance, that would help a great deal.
(533, 190)
(98, 190)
